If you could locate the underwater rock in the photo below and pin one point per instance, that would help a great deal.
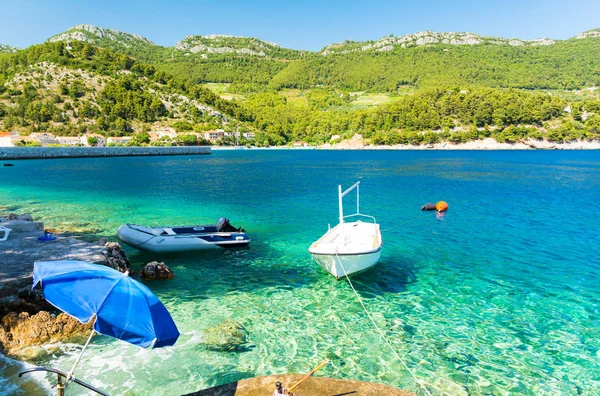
(22, 217)
(22, 330)
(229, 336)
(116, 257)
(102, 241)
(156, 270)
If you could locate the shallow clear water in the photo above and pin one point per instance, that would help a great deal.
(498, 295)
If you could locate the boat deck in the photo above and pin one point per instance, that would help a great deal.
(349, 238)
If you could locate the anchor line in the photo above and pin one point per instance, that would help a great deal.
(383, 337)
(403, 224)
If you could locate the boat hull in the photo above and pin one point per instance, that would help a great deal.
(351, 263)
(178, 243)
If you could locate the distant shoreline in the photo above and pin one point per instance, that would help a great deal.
(475, 145)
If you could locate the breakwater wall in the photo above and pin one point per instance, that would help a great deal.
(16, 153)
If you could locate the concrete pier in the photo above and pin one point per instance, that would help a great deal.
(16, 153)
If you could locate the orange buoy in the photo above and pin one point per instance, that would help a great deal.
(441, 206)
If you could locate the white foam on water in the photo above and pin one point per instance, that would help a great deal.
(10, 386)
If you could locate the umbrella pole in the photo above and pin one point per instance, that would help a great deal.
(70, 378)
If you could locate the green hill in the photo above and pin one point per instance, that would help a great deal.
(568, 64)
(424, 59)
(82, 88)
(419, 88)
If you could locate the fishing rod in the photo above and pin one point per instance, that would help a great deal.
(307, 376)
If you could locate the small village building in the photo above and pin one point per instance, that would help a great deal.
(165, 132)
(44, 138)
(13, 139)
(5, 139)
(231, 134)
(69, 140)
(300, 143)
(249, 135)
(101, 139)
(213, 136)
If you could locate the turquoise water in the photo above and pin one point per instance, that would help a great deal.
(499, 295)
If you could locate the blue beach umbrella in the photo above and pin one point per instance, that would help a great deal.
(123, 307)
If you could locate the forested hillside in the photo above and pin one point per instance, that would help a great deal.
(421, 88)
(82, 88)
(424, 59)
(571, 64)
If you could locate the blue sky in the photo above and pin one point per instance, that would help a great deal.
(301, 24)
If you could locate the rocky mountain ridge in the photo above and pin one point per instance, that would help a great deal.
(7, 49)
(95, 35)
(221, 44)
(206, 45)
(428, 37)
(589, 33)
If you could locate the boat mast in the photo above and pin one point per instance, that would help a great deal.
(341, 195)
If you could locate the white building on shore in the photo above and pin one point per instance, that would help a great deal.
(101, 140)
(166, 132)
(69, 140)
(119, 140)
(213, 136)
(5, 139)
(45, 138)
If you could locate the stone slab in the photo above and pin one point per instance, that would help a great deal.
(314, 386)
(22, 226)
(21, 250)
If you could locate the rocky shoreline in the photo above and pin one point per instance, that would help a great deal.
(28, 322)
(359, 143)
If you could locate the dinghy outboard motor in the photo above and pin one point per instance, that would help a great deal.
(222, 224)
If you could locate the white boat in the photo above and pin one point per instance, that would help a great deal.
(183, 238)
(349, 247)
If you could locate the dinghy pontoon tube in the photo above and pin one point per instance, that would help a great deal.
(184, 238)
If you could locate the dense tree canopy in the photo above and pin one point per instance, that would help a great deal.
(458, 93)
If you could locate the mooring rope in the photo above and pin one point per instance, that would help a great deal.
(405, 223)
(383, 337)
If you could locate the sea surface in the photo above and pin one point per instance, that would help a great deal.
(499, 295)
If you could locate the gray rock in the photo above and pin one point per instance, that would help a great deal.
(156, 270)
(116, 257)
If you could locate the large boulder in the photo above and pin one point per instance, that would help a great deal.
(156, 270)
(116, 257)
(229, 336)
(18, 331)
